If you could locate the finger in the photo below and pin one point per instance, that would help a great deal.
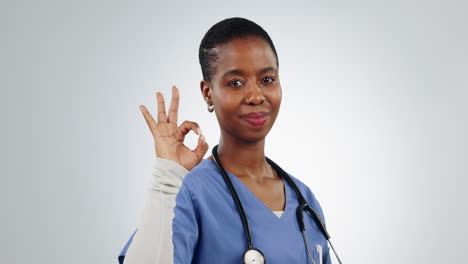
(149, 119)
(186, 126)
(161, 108)
(202, 147)
(174, 107)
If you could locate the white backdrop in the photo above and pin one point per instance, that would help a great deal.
(373, 119)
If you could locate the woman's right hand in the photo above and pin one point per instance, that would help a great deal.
(169, 139)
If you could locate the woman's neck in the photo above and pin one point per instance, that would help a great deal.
(244, 159)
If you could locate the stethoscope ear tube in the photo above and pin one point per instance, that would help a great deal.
(300, 216)
(303, 205)
(300, 219)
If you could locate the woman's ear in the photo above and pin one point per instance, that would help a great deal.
(206, 92)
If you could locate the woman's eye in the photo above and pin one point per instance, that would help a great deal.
(268, 80)
(235, 83)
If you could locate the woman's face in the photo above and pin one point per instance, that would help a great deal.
(245, 88)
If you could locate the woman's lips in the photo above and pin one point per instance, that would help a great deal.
(256, 119)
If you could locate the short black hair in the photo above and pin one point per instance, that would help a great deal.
(223, 32)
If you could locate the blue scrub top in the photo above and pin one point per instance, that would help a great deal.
(207, 227)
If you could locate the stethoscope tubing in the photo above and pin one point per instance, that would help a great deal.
(237, 201)
(303, 205)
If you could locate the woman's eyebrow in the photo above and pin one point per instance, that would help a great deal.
(241, 72)
(267, 69)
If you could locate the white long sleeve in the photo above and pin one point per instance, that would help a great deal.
(152, 242)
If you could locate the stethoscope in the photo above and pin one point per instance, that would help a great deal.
(253, 255)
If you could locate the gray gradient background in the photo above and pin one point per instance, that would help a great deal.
(373, 119)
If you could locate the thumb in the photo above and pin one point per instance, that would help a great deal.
(202, 146)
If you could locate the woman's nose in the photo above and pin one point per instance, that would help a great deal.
(254, 95)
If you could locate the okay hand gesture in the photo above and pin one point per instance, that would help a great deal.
(169, 139)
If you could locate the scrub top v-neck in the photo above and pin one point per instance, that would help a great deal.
(207, 227)
(255, 204)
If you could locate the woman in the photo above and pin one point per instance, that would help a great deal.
(190, 197)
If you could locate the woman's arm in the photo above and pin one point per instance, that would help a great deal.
(152, 242)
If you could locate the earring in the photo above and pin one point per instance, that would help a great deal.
(210, 108)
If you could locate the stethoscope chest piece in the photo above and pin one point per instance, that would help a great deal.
(253, 256)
